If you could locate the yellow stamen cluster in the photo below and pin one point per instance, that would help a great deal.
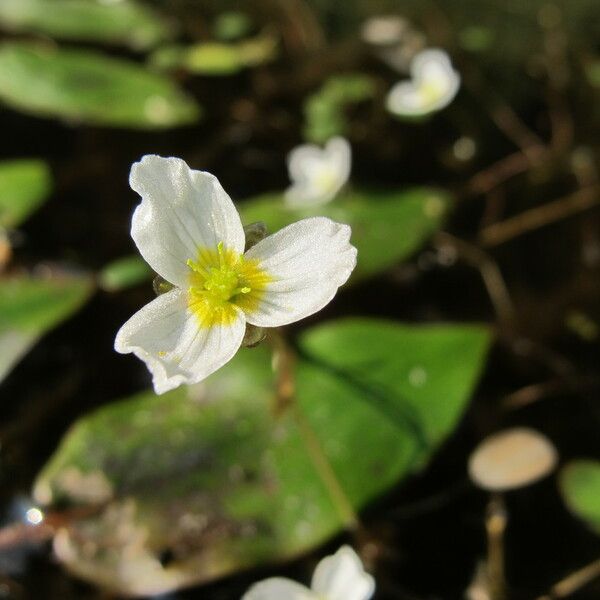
(432, 91)
(221, 280)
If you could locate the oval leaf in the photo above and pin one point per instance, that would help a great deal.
(216, 58)
(123, 273)
(386, 227)
(91, 88)
(580, 487)
(209, 477)
(24, 185)
(122, 22)
(30, 307)
(324, 111)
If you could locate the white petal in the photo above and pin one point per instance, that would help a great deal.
(404, 99)
(433, 86)
(181, 210)
(342, 577)
(339, 153)
(430, 58)
(317, 174)
(302, 161)
(168, 338)
(307, 261)
(278, 588)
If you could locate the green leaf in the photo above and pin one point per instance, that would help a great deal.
(592, 72)
(215, 58)
(580, 487)
(124, 22)
(24, 185)
(324, 111)
(211, 478)
(476, 38)
(123, 273)
(87, 87)
(30, 307)
(231, 25)
(386, 227)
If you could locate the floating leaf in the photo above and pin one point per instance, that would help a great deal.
(30, 307)
(123, 22)
(386, 227)
(210, 478)
(123, 273)
(580, 487)
(24, 185)
(89, 87)
(215, 58)
(324, 111)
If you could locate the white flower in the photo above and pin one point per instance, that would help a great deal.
(318, 174)
(337, 577)
(384, 30)
(432, 86)
(190, 233)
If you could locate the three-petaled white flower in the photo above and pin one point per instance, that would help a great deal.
(318, 174)
(337, 577)
(190, 233)
(432, 86)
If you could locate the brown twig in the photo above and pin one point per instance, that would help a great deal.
(573, 582)
(490, 274)
(499, 172)
(532, 393)
(507, 120)
(16, 534)
(303, 31)
(538, 217)
(558, 75)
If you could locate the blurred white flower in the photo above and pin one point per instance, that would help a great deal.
(190, 233)
(432, 86)
(383, 30)
(318, 174)
(337, 577)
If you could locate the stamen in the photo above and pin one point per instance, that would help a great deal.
(221, 280)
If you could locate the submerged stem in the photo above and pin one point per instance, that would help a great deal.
(284, 361)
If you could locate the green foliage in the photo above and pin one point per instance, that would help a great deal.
(210, 476)
(580, 487)
(592, 72)
(24, 185)
(30, 307)
(324, 111)
(84, 86)
(124, 22)
(123, 273)
(387, 227)
(476, 39)
(216, 58)
(231, 25)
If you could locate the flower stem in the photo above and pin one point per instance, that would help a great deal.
(496, 524)
(284, 361)
(325, 470)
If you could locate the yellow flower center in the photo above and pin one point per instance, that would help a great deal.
(326, 179)
(432, 91)
(221, 281)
